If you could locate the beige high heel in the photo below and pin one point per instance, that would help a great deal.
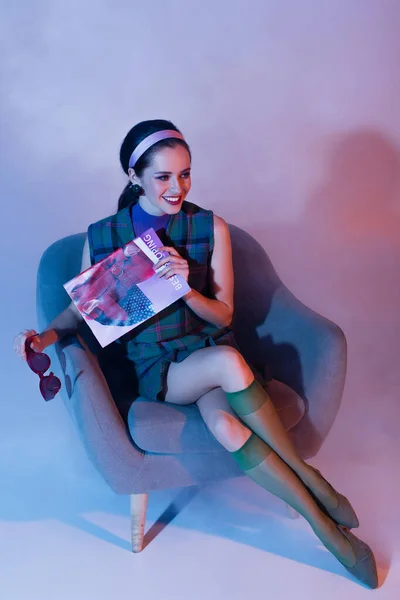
(344, 513)
(365, 568)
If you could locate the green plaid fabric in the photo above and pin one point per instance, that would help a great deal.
(177, 331)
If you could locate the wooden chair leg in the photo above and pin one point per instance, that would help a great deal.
(138, 519)
(293, 514)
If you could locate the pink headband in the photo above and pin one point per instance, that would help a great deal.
(149, 141)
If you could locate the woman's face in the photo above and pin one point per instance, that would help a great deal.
(166, 182)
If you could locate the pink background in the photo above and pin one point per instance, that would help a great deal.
(292, 111)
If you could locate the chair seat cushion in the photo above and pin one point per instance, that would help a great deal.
(166, 428)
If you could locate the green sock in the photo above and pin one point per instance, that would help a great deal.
(252, 453)
(275, 476)
(245, 402)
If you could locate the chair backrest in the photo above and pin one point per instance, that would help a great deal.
(255, 283)
(60, 263)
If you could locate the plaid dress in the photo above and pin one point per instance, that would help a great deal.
(177, 331)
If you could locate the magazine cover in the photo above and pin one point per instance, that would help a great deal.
(122, 291)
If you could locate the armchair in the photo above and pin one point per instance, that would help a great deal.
(154, 445)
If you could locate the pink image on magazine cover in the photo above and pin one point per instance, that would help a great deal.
(121, 273)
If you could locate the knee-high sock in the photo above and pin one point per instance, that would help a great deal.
(255, 409)
(265, 467)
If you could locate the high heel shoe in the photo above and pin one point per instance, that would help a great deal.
(344, 513)
(365, 568)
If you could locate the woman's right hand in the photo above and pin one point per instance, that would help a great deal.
(39, 342)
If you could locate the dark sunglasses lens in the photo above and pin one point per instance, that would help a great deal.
(39, 362)
(49, 386)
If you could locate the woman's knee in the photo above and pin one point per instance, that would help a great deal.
(232, 368)
(229, 431)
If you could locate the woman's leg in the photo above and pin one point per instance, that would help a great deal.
(259, 462)
(223, 366)
(196, 378)
(220, 419)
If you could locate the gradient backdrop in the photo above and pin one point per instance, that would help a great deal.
(292, 111)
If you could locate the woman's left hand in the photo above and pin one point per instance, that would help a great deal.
(176, 264)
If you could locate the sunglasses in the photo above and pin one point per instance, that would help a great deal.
(39, 363)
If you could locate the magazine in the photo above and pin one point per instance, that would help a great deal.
(122, 290)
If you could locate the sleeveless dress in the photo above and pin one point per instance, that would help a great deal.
(177, 331)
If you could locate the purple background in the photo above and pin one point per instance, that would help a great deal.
(292, 111)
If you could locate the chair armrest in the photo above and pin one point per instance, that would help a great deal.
(88, 400)
(309, 353)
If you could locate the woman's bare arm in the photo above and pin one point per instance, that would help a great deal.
(218, 311)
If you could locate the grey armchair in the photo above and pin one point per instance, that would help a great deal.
(153, 445)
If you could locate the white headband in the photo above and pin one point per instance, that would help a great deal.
(149, 141)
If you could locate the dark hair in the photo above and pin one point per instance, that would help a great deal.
(132, 139)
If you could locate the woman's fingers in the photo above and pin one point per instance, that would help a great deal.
(168, 249)
(42, 340)
(174, 270)
(173, 264)
(176, 260)
(37, 344)
(173, 255)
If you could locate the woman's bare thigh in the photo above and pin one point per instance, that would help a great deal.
(204, 370)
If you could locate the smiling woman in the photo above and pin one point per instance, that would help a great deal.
(188, 354)
(157, 160)
(163, 188)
